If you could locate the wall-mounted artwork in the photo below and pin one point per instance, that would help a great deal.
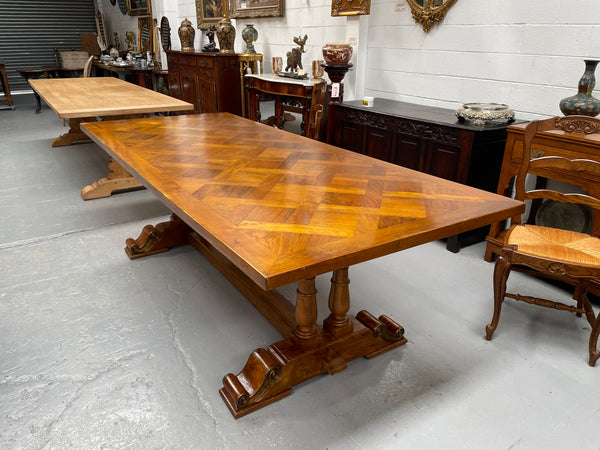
(350, 7)
(139, 7)
(209, 12)
(241, 9)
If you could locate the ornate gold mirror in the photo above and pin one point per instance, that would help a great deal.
(429, 12)
(145, 34)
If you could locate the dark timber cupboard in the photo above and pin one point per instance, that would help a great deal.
(423, 138)
(209, 81)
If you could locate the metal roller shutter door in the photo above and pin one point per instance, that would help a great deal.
(30, 31)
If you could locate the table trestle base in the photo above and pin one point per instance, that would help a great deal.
(307, 349)
(270, 374)
(118, 179)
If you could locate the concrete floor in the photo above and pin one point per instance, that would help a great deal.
(102, 352)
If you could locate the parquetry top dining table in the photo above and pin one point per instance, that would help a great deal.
(107, 98)
(269, 208)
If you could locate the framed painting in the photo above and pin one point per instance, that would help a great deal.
(350, 7)
(209, 12)
(242, 9)
(139, 7)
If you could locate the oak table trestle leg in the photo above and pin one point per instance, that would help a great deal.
(270, 374)
(118, 179)
(74, 134)
(158, 239)
(307, 349)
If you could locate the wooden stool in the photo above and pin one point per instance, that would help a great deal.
(5, 87)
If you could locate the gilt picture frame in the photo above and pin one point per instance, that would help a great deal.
(209, 12)
(243, 9)
(139, 7)
(350, 7)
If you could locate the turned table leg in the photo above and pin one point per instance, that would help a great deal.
(305, 333)
(338, 323)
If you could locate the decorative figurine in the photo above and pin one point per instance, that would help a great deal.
(294, 57)
(117, 42)
(211, 46)
(130, 41)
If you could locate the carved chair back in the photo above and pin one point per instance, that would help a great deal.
(316, 110)
(564, 255)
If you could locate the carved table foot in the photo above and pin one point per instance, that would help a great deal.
(270, 374)
(74, 133)
(117, 179)
(158, 239)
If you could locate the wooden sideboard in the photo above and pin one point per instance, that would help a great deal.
(423, 138)
(547, 143)
(209, 81)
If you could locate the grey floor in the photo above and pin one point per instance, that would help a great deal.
(98, 351)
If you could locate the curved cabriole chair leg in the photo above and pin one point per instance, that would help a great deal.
(501, 271)
(594, 353)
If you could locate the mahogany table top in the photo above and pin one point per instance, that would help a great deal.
(282, 207)
(102, 96)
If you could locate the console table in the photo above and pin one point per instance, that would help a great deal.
(287, 92)
(423, 138)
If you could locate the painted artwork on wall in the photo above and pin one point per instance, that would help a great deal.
(241, 9)
(209, 12)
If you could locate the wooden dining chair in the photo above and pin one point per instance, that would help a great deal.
(87, 68)
(315, 114)
(553, 253)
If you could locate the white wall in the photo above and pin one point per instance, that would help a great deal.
(526, 54)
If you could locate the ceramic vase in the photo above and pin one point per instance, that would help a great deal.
(225, 34)
(317, 69)
(583, 103)
(186, 36)
(337, 54)
(249, 35)
(277, 64)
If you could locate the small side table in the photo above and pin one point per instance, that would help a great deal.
(34, 74)
(7, 97)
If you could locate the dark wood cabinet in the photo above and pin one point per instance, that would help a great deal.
(210, 81)
(423, 138)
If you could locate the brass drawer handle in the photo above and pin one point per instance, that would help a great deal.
(533, 154)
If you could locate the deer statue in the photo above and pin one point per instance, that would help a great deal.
(294, 57)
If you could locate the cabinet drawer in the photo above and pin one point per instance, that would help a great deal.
(188, 60)
(205, 63)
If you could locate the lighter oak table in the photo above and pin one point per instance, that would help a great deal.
(90, 99)
(269, 208)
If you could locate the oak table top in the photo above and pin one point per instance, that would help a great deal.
(102, 96)
(87, 99)
(283, 207)
(269, 208)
